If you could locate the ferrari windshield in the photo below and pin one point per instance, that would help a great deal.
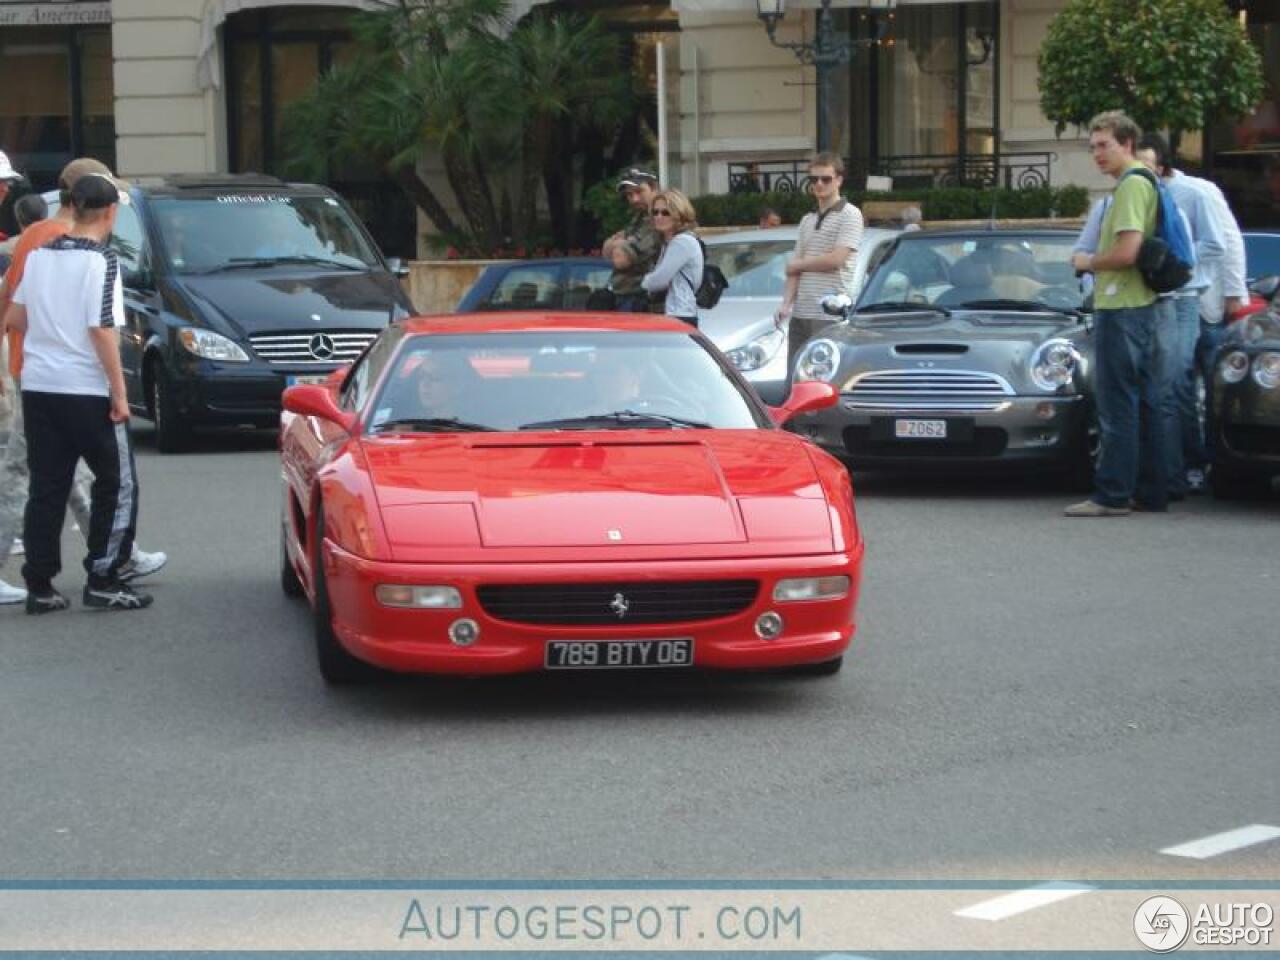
(959, 271)
(558, 380)
(242, 231)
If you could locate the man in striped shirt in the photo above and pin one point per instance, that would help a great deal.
(825, 255)
(69, 306)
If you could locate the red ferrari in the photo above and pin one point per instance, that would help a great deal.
(522, 492)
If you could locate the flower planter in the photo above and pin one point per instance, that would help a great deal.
(436, 286)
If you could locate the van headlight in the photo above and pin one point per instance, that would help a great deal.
(758, 352)
(211, 346)
(820, 360)
(1266, 370)
(1054, 363)
(1234, 366)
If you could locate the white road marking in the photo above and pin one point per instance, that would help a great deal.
(1217, 843)
(1021, 901)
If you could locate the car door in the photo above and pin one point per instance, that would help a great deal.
(141, 298)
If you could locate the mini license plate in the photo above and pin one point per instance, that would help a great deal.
(618, 654)
(294, 379)
(920, 429)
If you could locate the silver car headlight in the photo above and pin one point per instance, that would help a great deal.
(757, 353)
(1266, 370)
(819, 360)
(1054, 364)
(211, 346)
(1234, 366)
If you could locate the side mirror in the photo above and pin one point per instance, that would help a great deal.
(805, 397)
(1265, 287)
(837, 305)
(139, 279)
(317, 400)
(397, 267)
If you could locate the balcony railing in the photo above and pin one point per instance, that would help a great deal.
(912, 172)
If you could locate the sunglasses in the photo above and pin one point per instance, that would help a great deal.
(661, 212)
(824, 178)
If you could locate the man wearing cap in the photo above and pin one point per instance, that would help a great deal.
(70, 307)
(634, 249)
(13, 465)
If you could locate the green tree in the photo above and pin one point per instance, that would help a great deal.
(445, 79)
(1170, 64)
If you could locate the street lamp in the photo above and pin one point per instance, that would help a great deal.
(827, 50)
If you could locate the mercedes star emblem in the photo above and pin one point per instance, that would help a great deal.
(322, 346)
(620, 605)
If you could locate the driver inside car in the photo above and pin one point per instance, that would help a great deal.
(446, 386)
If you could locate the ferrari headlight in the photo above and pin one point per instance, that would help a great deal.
(1054, 363)
(1266, 370)
(819, 361)
(1234, 366)
(420, 598)
(758, 352)
(211, 346)
(811, 588)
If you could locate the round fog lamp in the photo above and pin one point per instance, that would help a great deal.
(1045, 411)
(464, 632)
(768, 626)
(1234, 366)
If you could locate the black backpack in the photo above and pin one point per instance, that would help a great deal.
(707, 293)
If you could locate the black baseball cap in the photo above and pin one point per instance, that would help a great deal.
(94, 191)
(635, 177)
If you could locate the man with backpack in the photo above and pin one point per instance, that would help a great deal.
(1134, 329)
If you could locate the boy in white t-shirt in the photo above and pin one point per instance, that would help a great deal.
(70, 307)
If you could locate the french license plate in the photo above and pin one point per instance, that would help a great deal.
(293, 379)
(618, 654)
(920, 429)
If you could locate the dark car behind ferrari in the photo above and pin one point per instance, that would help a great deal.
(236, 287)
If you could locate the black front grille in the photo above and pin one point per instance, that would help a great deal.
(619, 604)
(1252, 439)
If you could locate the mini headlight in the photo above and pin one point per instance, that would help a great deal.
(423, 598)
(1054, 363)
(1234, 366)
(820, 361)
(1266, 370)
(758, 352)
(810, 588)
(211, 346)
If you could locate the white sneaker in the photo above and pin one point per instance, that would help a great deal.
(142, 564)
(17, 549)
(9, 594)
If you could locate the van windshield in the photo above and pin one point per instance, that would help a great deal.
(244, 231)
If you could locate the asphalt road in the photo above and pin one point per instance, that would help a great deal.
(1029, 698)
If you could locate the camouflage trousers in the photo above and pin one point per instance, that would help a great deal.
(14, 483)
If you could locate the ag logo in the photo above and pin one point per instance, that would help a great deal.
(1161, 924)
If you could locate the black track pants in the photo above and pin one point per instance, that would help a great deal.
(61, 429)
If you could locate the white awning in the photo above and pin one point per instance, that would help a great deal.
(216, 11)
(209, 67)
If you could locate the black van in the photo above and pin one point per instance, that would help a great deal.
(237, 286)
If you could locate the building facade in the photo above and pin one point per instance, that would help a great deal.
(940, 91)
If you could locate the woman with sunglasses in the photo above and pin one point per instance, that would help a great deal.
(679, 269)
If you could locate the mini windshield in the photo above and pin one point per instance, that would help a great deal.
(246, 231)
(754, 268)
(955, 271)
(558, 380)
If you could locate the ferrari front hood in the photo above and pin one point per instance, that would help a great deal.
(613, 491)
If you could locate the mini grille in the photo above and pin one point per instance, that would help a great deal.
(928, 390)
(589, 604)
(296, 349)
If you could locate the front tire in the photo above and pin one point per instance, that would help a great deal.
(1231, 484)
(173, 432)
(337, 666)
